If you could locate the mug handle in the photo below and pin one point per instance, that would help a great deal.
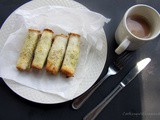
(123, 46)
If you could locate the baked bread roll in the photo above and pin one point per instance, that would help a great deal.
(56, 54)
(42, 49)
(71, 55)
(27, 51)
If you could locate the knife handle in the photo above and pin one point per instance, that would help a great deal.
(95, 112)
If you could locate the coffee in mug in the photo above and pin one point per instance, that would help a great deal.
(140, 24)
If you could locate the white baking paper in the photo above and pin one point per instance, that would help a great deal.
(61, 20)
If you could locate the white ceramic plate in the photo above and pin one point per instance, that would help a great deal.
(95, 64)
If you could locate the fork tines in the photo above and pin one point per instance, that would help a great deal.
(123, 59)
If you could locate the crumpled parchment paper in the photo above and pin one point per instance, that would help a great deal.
(61, 20)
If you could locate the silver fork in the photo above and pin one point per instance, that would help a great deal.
(113, 69)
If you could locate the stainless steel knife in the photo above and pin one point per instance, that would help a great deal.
(127, 79)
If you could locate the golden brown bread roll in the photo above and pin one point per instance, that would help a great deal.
(56, 54)
(42, 49)
(27, 51)
(71, 55)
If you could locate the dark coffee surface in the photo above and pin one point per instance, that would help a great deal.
(138, 26)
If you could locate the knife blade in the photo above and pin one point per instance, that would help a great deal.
(125, 81)
(134, 71)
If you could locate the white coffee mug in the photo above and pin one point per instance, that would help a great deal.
(128, 40)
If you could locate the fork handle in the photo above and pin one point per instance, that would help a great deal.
(95, 112)
(77, 103)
